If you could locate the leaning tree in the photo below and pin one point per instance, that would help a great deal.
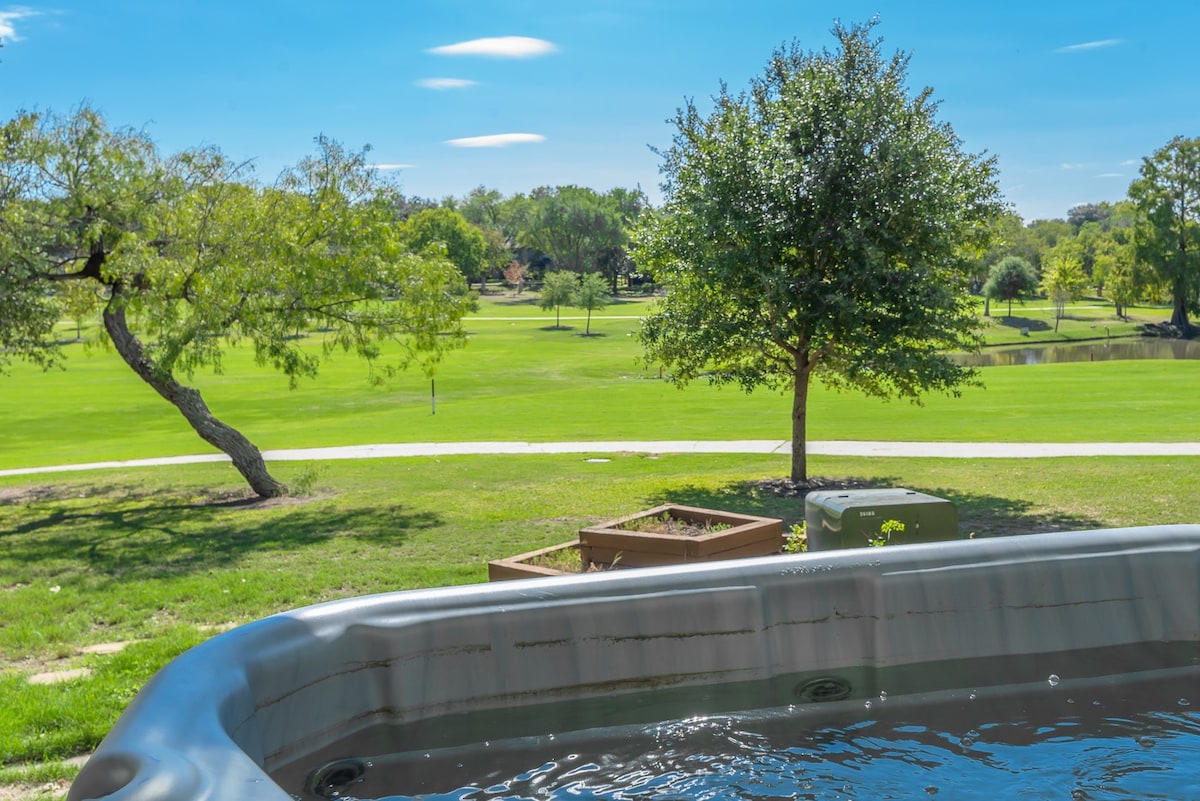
(186, 258)
(821, 223)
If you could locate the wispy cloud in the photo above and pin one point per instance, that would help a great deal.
(1077, 48)
(10, 15)
(1111, 175)
(498, 47)
(386, 167)
(442, 84)
(497, 140)
(1130, 162)
(1069, 166)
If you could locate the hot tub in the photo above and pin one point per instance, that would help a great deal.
(259, 712)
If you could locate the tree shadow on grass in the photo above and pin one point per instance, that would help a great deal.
(150, 534)
(979, 514)
(515, 300)
(557, 328)
(1023, 322)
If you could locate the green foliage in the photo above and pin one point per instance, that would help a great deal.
(199, 260)
(1167, 233)
(797, 538)
(886, 529)
(1063, 278)
(581, 230)
(821, 223)
(1009, 279)
(591, 296)
(464, 245)
(559, 288)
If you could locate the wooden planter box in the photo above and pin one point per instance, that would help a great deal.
(526, 565)
(627, 542)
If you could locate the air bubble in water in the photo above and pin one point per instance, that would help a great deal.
(867, 704)
(972, 696)
(1146, 742)
(883, 695)
(1184, 702)
(1053, 680)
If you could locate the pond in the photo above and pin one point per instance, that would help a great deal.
(1096, 351)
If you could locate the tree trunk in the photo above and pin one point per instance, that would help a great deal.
(1179, 315)
(800, 420)
(246, 457)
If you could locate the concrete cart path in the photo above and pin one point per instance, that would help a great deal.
(939, 450)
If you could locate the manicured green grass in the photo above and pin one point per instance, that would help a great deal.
(522, 379)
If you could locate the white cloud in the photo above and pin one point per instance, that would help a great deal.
(497, 140)
(1130, 162)
(498, 47)
(445, 83)
(1076, 48)
(1111, 175)
(1067, 166)
(11, 15)
(391, 166)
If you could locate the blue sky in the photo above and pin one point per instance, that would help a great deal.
(1069, 96)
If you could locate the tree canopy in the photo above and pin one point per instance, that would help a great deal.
(1063, 278)
(591, 296)
(820, 223)
(185, 257)
(558, 290)
(1010, 279)
(463, 244)
(1167, 235)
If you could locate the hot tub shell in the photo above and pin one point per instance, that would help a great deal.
(227, 718)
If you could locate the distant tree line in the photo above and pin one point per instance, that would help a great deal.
(1145, 248)
(523, 237)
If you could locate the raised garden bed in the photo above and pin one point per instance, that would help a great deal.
(672, 534)
(556, 560)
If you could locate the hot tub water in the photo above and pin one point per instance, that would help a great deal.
(1089, 740)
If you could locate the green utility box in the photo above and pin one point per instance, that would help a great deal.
(855, 518)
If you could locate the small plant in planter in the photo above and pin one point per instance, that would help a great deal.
(671, 534)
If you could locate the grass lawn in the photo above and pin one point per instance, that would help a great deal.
(164, 557)
(519, 378)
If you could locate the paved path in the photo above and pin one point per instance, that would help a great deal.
(942, 450)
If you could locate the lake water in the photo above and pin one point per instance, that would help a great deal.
(1105, 350)
(1087, 742)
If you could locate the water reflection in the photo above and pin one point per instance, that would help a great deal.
(1107, 350)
